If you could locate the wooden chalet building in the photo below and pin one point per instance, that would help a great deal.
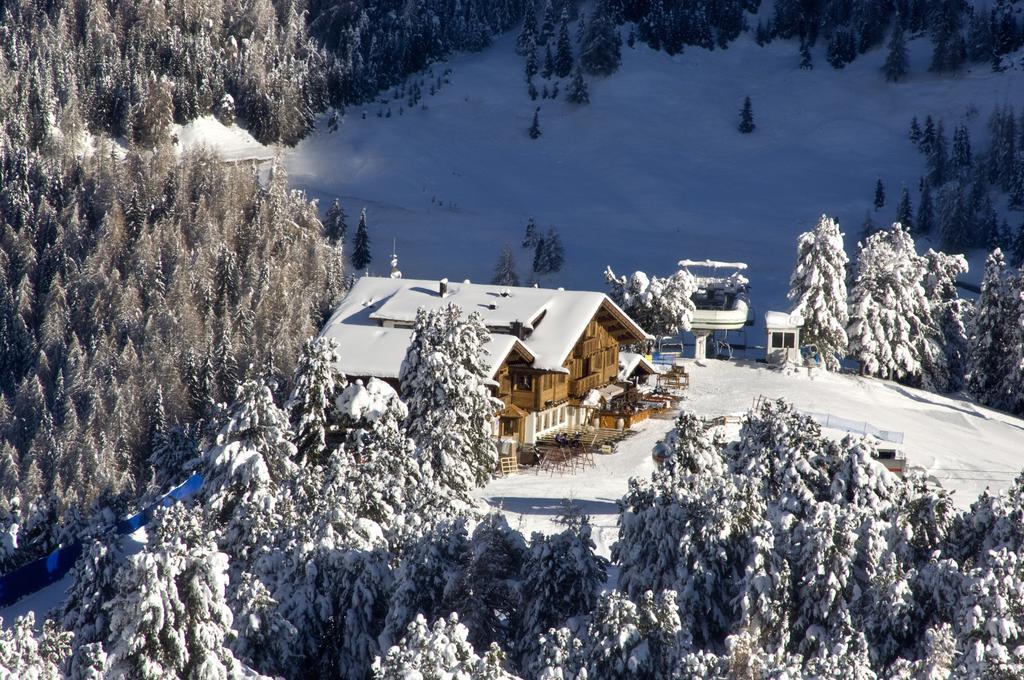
(549, 348)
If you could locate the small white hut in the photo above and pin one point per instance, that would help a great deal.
(783, 337)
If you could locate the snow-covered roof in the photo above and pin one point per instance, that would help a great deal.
(792, 319)
(379, 351)
(629, 361)
(372, 324)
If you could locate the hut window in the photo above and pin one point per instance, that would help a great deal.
(523, 382)
(782, 340)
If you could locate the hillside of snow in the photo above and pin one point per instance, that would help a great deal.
(652, 171)
(967, 448)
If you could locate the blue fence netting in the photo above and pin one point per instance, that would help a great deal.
(38, 574)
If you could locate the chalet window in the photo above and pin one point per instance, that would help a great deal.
(586, 366)
(523, 381)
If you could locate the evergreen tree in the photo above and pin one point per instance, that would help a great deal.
(890, 327)
(439, 651)
(949, 46)
(955, 219)
(562, 579)
(534, 130)
(600, 50)
(925, 219)
(578, 93)
(361, 257)
(170, 616)
(317, 382)
(450, 407)
(527, 39)
(879, 194)
(962, 157)
(531, 236)
(548, 69)
(951, 315)
(335, 226)
(897, 62)
(94, 583)
(818, 290)
(563, 56)
(531, 62)
(505, 271)
(904, 211)
(486, 595)
(991, 336)
(663, 306)
(915, 131)
(746, 125)
(806, 63)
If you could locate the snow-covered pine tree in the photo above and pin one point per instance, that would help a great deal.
(505, 271)
(746, 125)
(925, 210)
(890, 327)
(388, 485)
(450, 407)
(630, 640)
(426, 577)
(335, 226)
(264, 638)
(578, 92)
(486, 596)
(27, 653)
(528, 34)
(549, 65)
(904, 211)
(317, 383)
(361, 257)
(530, 236)
(600, 51)
(990, 335)
(690, 448)
(94, 583)
(534, 130)
(951, 314)
(439, 651)
(897, 61)
(563, 55)
(806, 61)
(170, 616)
(817, 288)
(249, 469)
(662, 306)
(562, 576)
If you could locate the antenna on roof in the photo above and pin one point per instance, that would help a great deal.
(395, 272)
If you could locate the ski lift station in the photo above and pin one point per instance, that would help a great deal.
(721, 300)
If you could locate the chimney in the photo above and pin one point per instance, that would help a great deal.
(442, 288)
(517, 329)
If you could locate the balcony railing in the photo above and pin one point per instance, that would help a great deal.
(578, 388)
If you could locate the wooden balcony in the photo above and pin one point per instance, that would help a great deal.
(579, 388)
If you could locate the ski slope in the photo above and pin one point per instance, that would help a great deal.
(967, 448)
(652, 171)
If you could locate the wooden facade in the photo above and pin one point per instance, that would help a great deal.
(592, 363)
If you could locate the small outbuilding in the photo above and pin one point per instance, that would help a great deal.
(783, 337)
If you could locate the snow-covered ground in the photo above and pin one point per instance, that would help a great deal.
(232, 143)
(966, 447)
(652, 171)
